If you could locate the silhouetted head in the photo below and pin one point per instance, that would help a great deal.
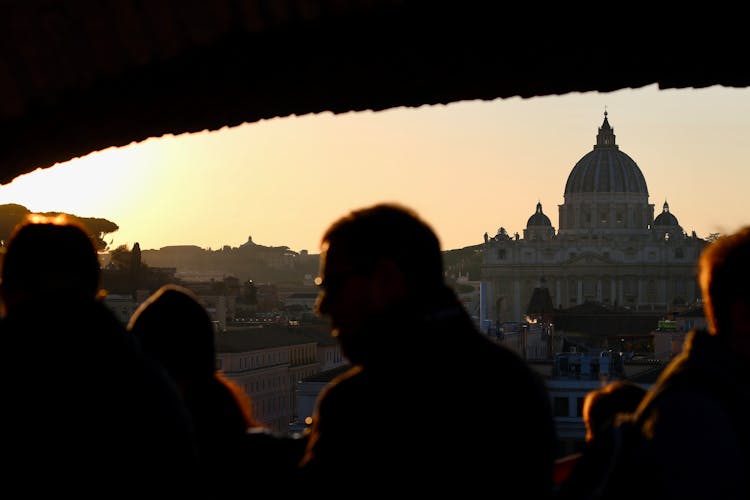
(724, 275)
(175, 329)
(372, 259)
(49, 256)
(601, 406)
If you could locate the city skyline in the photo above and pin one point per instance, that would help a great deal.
(468, 168)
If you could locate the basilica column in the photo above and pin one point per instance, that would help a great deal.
(580, 291)
(642, 288)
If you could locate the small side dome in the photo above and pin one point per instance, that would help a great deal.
(538, 218)
(666, 218)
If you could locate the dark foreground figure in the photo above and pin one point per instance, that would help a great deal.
(236, 451)
(696, 418)
(84, 413)
(431, 405)
(578, 474)
(689, 438)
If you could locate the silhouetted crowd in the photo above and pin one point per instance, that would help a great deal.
(431, 406)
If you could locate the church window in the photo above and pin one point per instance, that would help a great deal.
(501, 253)
(589, 288)
(573, 290)
(603, 217)
(619, 217)
(561, 407)
(679, 253)
(630, 286)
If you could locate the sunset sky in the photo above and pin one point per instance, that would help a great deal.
(467, 168)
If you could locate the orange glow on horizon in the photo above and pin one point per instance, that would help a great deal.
(467, 168)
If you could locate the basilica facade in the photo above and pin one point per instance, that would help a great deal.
(609, 249)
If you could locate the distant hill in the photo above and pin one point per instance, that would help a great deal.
(464, 261)
(259, 263)
(248, 262)
(279, 264)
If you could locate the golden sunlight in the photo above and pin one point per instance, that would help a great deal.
(82, 186)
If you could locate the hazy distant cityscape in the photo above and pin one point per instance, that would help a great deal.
(608, 294)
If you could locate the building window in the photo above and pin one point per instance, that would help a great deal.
(589, 289)
(501, 253)
(679, 253)
(572, 288)
(579, 407)
(560, 406)
(630, 286)
(680, 287)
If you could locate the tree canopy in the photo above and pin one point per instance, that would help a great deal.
(11, 214)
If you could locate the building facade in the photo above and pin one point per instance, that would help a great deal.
(609, 248)
(268, 362)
